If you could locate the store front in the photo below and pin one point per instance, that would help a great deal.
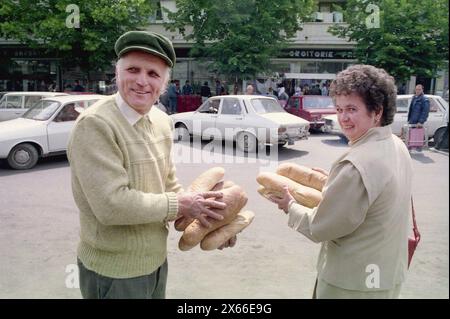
(24, 69)
(310, 67)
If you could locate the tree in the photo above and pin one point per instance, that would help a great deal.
(239, 37)
(53, 25)
(404, 37)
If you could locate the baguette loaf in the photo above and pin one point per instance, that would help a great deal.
(303, 175)
(207, 180)
(273, 183)
(210, 180)
(235, 198)
(218, 237)
(265, 193)
(228, 184)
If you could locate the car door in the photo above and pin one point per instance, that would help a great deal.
(401, 116)
(58, 130)
(293, 105)
(204, 119)
(230, 118)
(11, 107)
(435, 117)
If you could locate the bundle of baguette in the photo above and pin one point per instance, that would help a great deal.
(234, 221)
(304, 184)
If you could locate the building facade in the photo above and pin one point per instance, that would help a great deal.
(314, 57)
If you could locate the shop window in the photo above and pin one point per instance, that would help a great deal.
(330, 67)
(309, 67)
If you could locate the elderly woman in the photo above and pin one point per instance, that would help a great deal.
(362, 220)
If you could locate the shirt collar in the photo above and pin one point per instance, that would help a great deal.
(128, 112)
(375, 133)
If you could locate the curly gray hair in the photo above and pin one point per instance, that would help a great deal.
(375, 86)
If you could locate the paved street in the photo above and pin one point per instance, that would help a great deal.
(39, 231)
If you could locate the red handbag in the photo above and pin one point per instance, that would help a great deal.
(413, 241)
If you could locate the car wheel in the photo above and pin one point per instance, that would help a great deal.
(23, 156)
(246, 142)
(440, 140)
(182, 133)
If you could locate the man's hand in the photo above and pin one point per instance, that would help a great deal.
(285, 201)
(198, 206)
(419, 125)
(229, 243)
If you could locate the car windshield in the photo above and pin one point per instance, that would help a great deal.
(42, 110)
(317, 102)
(262, 106)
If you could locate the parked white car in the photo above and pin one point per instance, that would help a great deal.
(43, 130)
(437, 117)
(14, 104)
(250, 120)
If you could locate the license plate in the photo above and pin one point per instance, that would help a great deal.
(292, 131)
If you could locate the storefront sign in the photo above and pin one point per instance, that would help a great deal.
(325, 54)
(24, 53)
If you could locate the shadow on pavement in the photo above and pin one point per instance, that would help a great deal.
(337, 142)
(45, 163)
(421, 157)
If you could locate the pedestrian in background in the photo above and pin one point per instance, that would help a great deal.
(324, 89)
(78, 87)
(419, 107)
(205, 91)
(187, 88)
(172, 92)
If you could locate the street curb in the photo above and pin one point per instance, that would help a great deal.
(443, 152)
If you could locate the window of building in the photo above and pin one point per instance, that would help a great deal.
(330, 67)
(157, 15)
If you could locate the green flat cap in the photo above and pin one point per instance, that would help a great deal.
(146, 41)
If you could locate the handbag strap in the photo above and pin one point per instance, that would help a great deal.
(415, 229)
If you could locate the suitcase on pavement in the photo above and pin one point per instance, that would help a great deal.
(415, 137)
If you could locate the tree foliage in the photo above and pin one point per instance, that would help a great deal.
(404, 37)
(49, 24)
(239, 36)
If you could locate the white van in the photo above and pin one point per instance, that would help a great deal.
(14, 104)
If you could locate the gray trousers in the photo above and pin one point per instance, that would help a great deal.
(96, 286)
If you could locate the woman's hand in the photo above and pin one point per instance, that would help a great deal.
(283, 202)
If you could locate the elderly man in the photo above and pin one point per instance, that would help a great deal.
(123, 178)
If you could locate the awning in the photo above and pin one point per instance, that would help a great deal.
(310, 76)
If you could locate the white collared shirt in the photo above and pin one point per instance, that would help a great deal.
(128, 112)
